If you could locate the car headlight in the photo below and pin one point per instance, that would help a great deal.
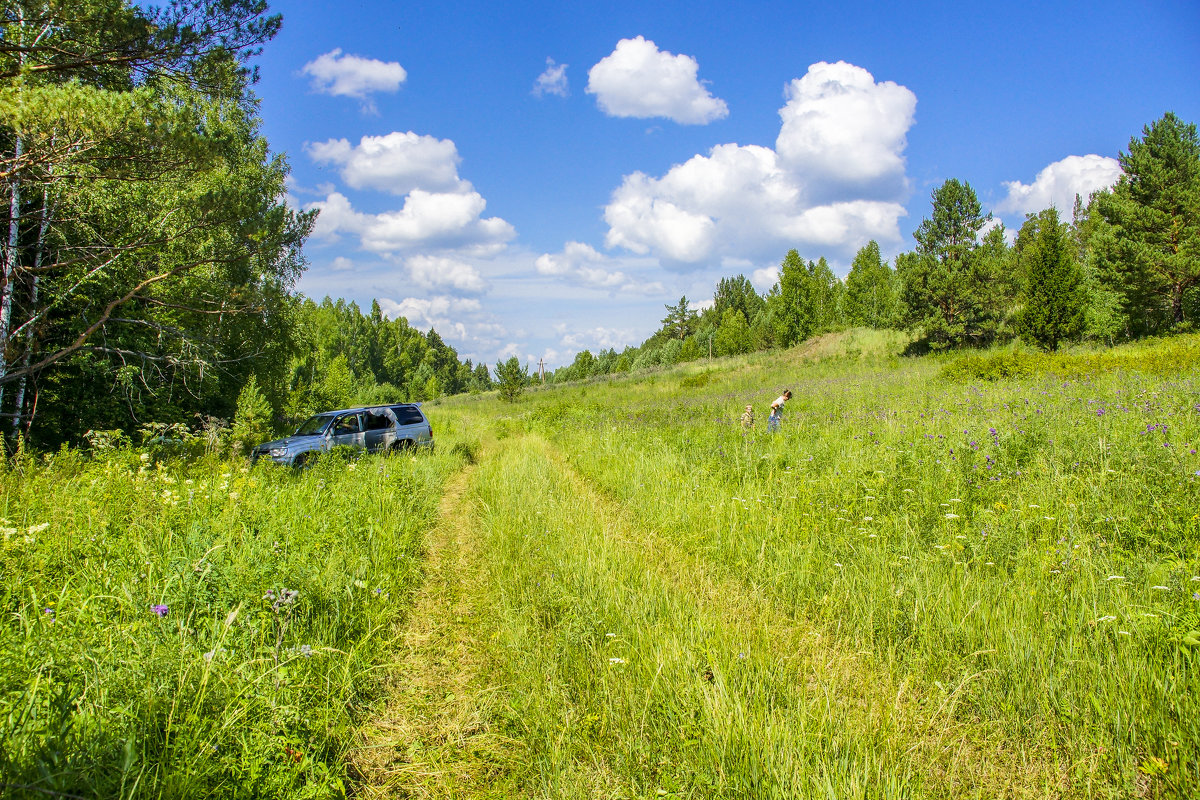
(276, 452)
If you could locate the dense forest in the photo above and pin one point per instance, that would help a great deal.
(150, 257)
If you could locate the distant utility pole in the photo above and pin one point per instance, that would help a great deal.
(542, 369)
(710, 347)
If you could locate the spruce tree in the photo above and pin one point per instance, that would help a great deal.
(511, 378)
(252, 422)
(1055, 303)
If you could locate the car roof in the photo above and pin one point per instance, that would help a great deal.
(364, 408)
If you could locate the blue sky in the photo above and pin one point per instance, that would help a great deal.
(534, 179)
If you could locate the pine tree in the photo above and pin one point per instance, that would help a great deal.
(1054, 301)
(481, 380)
(680, 321)
(737, 293)
(946, 292)
(1148, 248)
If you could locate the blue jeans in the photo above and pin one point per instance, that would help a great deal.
(772, 423)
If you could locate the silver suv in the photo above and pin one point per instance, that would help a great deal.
(372, 428)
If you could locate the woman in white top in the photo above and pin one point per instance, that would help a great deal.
(777, 410)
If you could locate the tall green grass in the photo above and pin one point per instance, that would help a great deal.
(186, 629)
(1025, 549)
(617, 672)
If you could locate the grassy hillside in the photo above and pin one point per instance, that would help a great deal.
(944, 577)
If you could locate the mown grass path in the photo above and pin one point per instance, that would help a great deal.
(561, 649)
(419, 745)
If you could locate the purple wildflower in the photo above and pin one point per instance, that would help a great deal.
(160, 609)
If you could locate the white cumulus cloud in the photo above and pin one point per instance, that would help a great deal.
(842, 131)
(452, 317)
(439, 272)
(764, 278)
(584, 265)
(338, 73)
(597, 338)
(1057, 185)
(428, 220)
(754, 202)
(552, 81)
(735, 202)
(396, 163)
(639, 80)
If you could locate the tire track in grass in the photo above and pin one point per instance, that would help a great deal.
(943, 756)
(432, 740)
(507, 685)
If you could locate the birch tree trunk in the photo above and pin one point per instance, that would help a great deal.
(10, 266)
(38, 254)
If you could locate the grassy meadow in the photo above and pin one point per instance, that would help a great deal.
(951, 576)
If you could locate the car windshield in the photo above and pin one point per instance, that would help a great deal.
(314, 425)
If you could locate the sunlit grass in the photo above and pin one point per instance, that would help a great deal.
(1024, 552)
(199, 629)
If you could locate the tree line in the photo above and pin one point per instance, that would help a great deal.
(1125, 264)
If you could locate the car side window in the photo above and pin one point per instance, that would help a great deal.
(345, 425)
(408, 415)
(378, 422)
